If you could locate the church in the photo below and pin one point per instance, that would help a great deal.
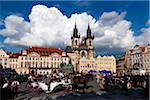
(83, 56)
(85, 47)
(81, 51)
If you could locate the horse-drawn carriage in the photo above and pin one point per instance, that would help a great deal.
(78, 82)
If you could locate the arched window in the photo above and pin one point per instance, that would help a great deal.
(76, 42)
(83, 54)
(90, 43)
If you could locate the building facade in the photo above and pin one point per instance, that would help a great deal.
(106, 63)
(121, 66)
(41, 60)
(4, 58)
(136, 61)
(140, 59)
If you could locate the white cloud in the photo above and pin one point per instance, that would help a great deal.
(15, 26)
(49, 27)
(111, 18)
(116, 31)
(145, 37)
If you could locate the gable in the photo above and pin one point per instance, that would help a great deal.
(33, 54)
(3, 53)
(55, 54)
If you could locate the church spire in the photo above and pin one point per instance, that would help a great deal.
(75, 32)
(89, 32)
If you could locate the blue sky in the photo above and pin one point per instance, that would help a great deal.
(137, 12)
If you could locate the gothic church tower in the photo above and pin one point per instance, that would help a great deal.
(75, 39)
(89, 42)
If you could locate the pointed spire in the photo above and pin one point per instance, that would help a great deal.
(75, 32)
(89, 32)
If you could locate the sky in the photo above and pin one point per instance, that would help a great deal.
(116, 25)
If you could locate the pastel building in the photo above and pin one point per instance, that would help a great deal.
(139, 59)
(106, 63)
(41, 60)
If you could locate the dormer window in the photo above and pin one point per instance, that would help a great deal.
(24, 52)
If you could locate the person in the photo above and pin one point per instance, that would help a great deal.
(55, 75)
(14, 86)
(146, 89)
(103, 84)
(7, 89)
(97, 78)
(129, 85)
(6, 83)
(30, 80)
(61, 75)
(67, 87)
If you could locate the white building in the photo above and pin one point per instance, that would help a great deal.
(140, 59)
(4, 58)
(41, 60)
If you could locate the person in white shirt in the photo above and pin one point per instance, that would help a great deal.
(14, 86)
(61, 75)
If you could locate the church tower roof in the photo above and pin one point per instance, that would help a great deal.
(89, 32)
(75, 32)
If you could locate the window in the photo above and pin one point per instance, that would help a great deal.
(76, 42)
(90, 43)
(83, 54)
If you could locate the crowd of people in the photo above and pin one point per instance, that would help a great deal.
(125, 83)
(9, 86)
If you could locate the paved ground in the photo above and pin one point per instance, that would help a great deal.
(110, 94)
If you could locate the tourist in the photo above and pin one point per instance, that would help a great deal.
(129, 86)
(14, 86)
(29, 81)
(7, 89)
(97, 78)
(102, 84)
(61, 75)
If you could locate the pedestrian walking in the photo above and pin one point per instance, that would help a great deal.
(129, 86)
(14, 86)
(97, 78)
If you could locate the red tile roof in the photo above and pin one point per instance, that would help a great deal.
(14, 55)
(44, 51)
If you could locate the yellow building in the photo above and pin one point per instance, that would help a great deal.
(85, 65)
(106, 63)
